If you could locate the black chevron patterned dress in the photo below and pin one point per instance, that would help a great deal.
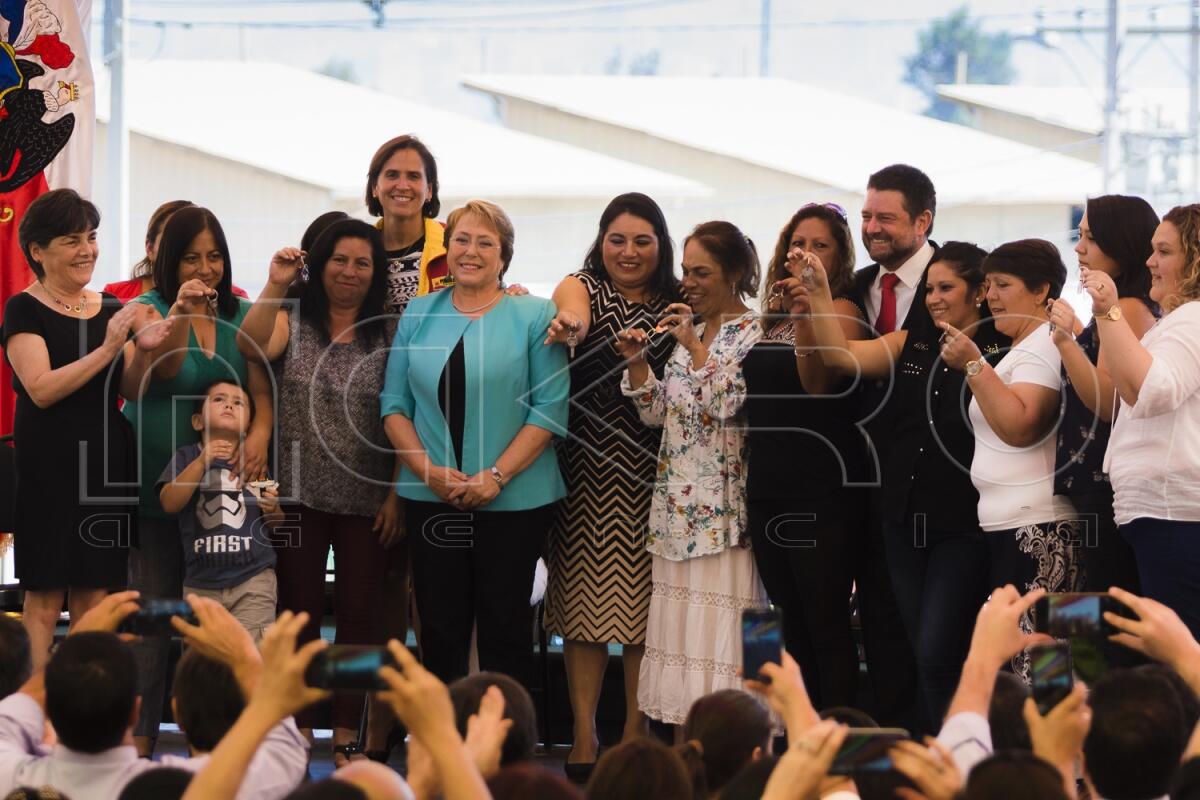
(599, 582)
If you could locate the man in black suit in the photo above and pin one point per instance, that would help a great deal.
(897, 219)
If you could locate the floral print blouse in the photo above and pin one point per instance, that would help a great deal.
(699, 503)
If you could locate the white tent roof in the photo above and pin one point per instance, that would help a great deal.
(324, 131)
(1077, 108)
(810, 132)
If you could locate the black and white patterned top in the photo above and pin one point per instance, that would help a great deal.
(333, 453)
(404, 276)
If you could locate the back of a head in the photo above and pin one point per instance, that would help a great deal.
(15, 662)
(208, 700)
(1189, 702)
(31, 793)
(328, 789)
(318, 226)
(994, 778)
(850, 716)
(91, 688)
(640, 769)
(751, 780)
(529, 780)
(723, 729)
(164, 783)
(466, 694)
(1137, 736)
(376, 781)
(1006, 715)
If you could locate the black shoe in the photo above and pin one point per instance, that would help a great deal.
(579, 773)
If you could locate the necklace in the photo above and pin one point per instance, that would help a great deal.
(474, 310)
(81, 308)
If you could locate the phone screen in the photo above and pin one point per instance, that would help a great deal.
(348, 667)
(1074, 614)
(1050, 671)
(154, 617)
(866, 750)
(762, 640)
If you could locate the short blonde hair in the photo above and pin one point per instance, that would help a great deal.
(495, 218)
(1186, 220)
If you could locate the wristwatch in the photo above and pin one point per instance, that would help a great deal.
(973, 368)
(498, 476)
(1113, 314)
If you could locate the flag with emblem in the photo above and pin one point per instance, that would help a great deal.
(47, 120)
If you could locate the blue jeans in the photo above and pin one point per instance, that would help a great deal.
(1168, 560)
(940, 579)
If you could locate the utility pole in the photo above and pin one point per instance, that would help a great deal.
(116, 191)
(764, 40)
(1115, 31)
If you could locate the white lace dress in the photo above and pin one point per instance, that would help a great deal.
(703, 574)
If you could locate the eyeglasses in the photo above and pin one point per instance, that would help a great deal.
(834, 207)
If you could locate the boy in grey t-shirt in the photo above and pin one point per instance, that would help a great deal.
(225, 525)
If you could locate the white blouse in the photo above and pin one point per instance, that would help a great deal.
(699, 501)
(1153, 456)
(1016, 484)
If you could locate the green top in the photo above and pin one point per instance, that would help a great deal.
(162, 419)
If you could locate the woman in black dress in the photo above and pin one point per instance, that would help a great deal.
(937, 554)
(76, 476)
(804, 451)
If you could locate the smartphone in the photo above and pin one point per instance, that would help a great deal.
(762, 640)
(1077, 614)
(154, 617)
(349, 667)
(1051, 674)
(866, 750)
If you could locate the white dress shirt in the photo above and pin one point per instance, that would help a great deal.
(1153, 456)
(276, 769)
(968, 737)
(909, 273)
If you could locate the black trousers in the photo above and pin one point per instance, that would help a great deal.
(803, 558)
(891, 664)
(1108, 559)
(474, 569)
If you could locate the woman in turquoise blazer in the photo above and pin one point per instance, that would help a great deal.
(471, 400)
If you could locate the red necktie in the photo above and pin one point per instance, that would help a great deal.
(886, 321)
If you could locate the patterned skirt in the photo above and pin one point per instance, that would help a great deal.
(1046, 556)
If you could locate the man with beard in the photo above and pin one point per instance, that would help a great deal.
(897, 218)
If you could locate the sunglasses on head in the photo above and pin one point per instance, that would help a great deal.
(834, 207)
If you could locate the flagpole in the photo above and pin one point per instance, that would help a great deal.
(115, 238)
